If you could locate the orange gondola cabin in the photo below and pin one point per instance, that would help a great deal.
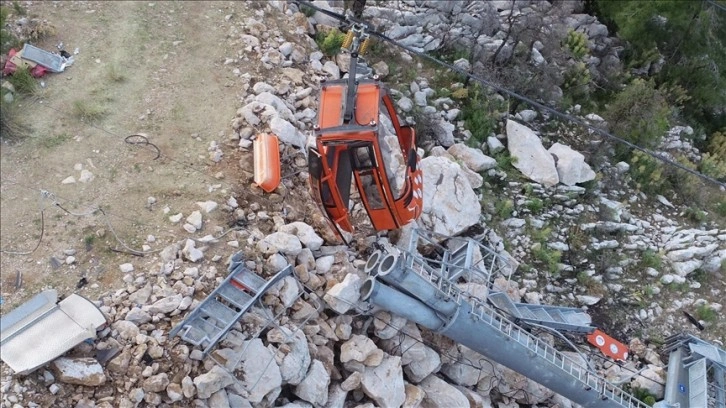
(350, 143)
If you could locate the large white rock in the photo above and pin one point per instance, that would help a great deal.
(514, 383)
(314, 388)
(384, 383)
(286, 132)
(191, 252)
(418, 359)
(651, 379)
(211, 382)
(344, 295)
(462, 373)
(262, 378)
(685, 268)
(80, 370)
(449, 203)
(267, 98)
(195, 219)
(444, 132)
(571, 166)
(166, 305)
(305, 233)
(440, 394)
(296, 360)
(358, 348)
(474, 159)
(531, 158)
(686, 254)
(283, 242)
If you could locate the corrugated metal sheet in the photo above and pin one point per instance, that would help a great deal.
(41, 330)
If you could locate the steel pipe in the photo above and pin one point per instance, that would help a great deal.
(394, 301)
(486, 334)
(371, 267)
(391, 271)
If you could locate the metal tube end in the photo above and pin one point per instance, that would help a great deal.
(371, 267)
(367, 289)
(387, 265)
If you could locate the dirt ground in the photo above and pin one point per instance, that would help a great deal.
(143, 67)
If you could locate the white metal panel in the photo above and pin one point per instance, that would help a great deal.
(698, 383)
(48, 336)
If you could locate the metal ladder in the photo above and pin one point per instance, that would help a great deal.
(559, 318)
(541, 349)
(444, 281)
(699, 372)
(206, 325)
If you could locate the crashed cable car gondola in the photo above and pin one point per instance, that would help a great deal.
(352, 145)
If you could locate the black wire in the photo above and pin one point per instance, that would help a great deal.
(713, 3)
(522, 98)
(144, 141)
(37, 245)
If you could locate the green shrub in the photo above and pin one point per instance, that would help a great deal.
(651, 259)
(577, 80)
(7, 38)
(639, 113)
(330, 42)
(647, 172)
(705, 313)
(88, 111)
(534, 205)
(720, 207)
(576, 43)
(713, 162)
(307, 11)
(695, 214)
(23, 81)
(479, 113)
(550, 258)
(504, 208)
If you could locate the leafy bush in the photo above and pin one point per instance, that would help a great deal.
(504, 208)
(550, 258)
(639, 113)
(479, 113)
(88, 111)
(577, 82)
(330, 42)
(23, 81)
(576, 43)
(713, 162)
(7, 38)
(534, 205)
(651, 259)
(705, 313)
(695, 214)
(647, 173)
(307, 11)
(687, 38)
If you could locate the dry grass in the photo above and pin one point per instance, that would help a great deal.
(88, 111)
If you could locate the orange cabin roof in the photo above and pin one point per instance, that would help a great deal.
(332, 104)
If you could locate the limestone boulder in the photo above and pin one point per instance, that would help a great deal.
(530, 157)
(384, 383)
(571, 166)
(440, 394)
(449, 202)
(262, 378)
(79, 370)
(314, 388)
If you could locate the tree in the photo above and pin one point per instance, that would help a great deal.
(681, 45)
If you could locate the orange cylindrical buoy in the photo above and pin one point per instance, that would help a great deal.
(267, 161)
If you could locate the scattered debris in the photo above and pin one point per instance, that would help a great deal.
(71, 321)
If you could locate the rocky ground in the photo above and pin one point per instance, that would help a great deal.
(629, 259)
